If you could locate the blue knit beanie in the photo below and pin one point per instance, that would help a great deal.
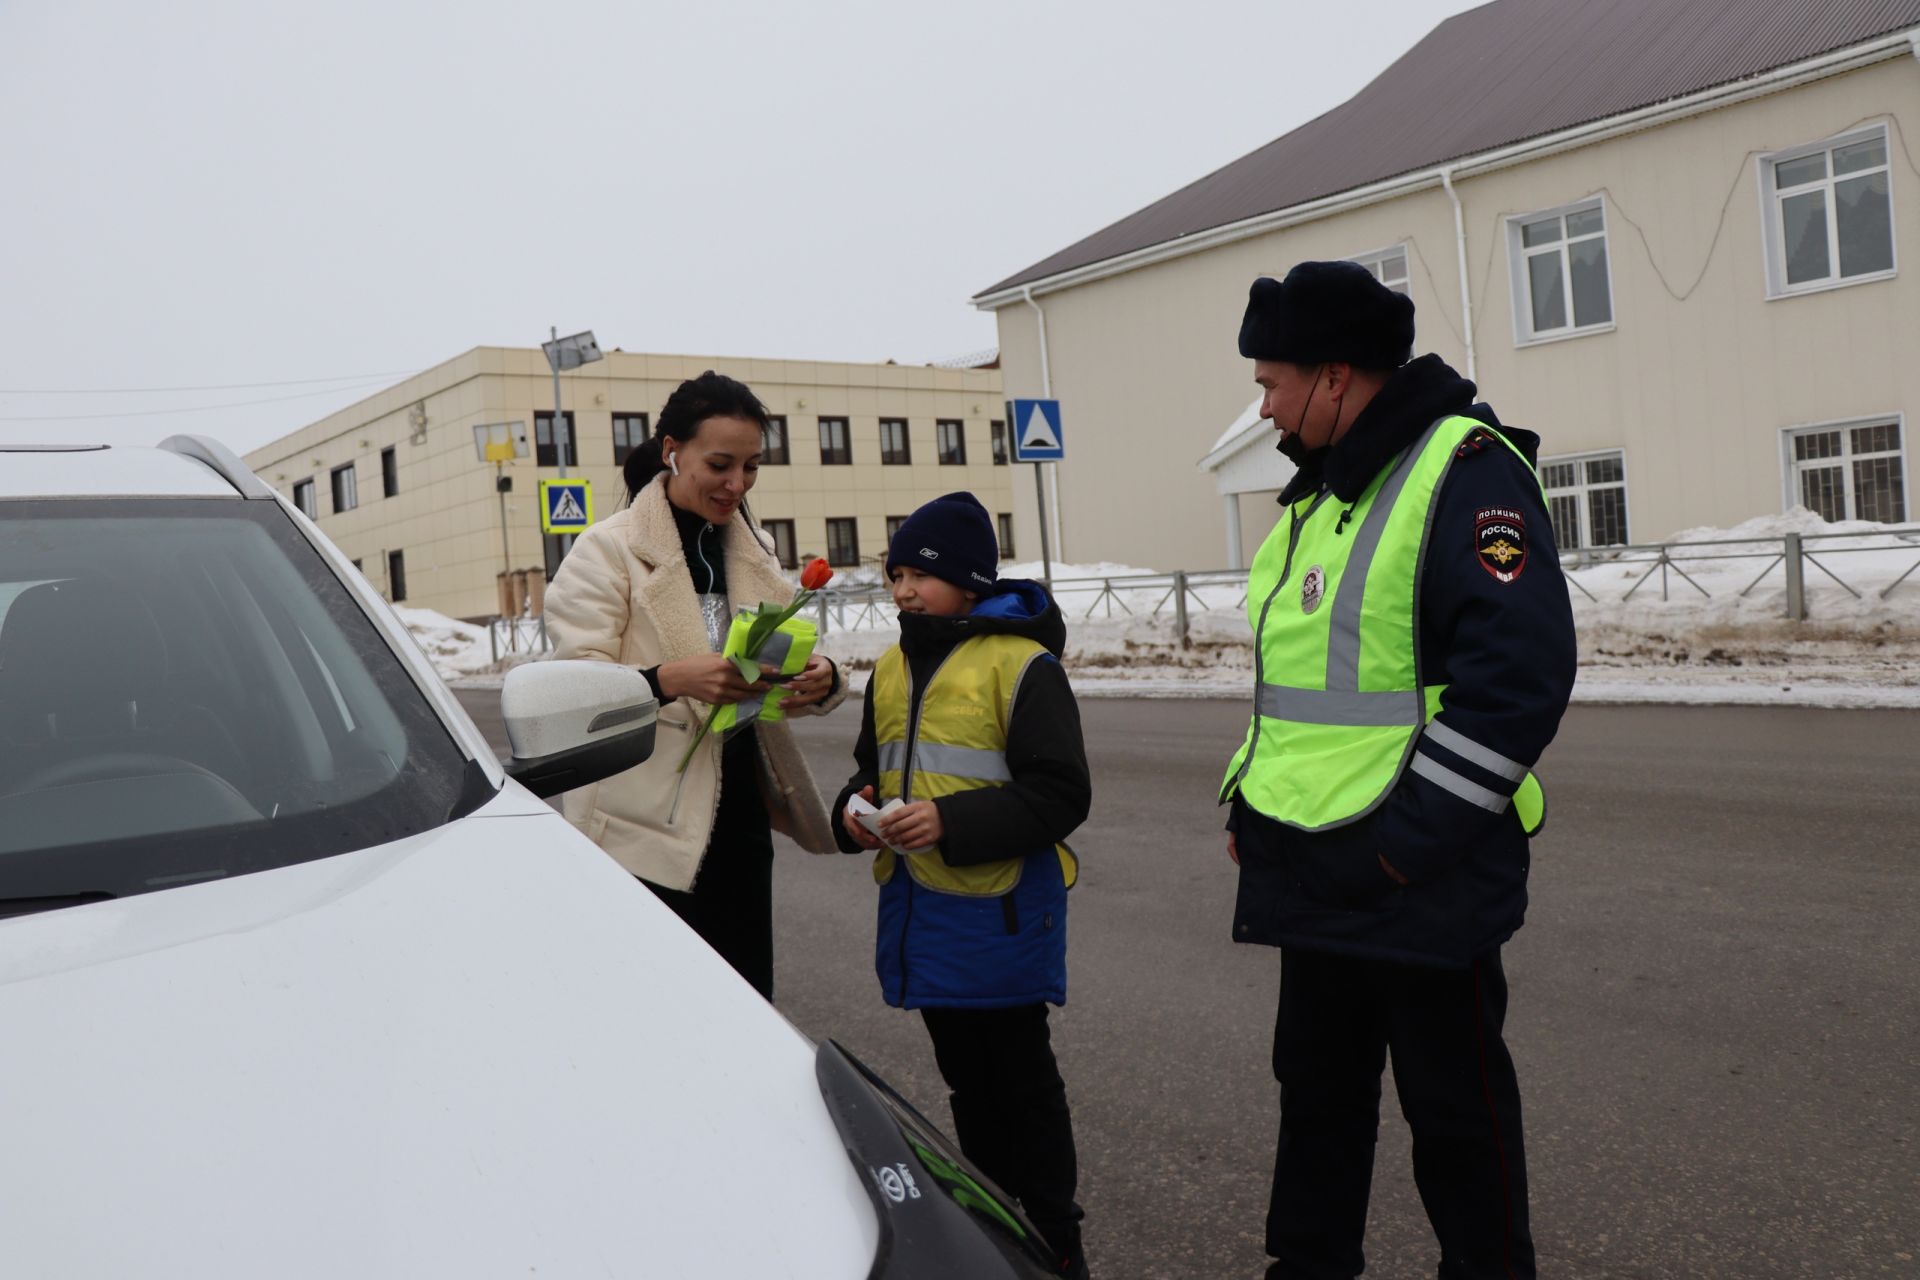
(952, 539)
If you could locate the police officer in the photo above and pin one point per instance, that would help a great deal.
(1414, 652)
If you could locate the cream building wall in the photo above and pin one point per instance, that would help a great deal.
(1696, 381)
(445, 518)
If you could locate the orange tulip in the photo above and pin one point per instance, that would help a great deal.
(816, 575)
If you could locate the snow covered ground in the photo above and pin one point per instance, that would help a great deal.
(1704, 643)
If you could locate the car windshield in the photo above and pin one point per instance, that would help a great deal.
(187, 692)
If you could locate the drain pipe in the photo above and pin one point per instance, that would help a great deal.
(1046, 392)
(1460, 248)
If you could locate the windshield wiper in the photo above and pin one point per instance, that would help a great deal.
(29, 906)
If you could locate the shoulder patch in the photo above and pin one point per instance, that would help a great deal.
(1477, 440)
(1500, 542)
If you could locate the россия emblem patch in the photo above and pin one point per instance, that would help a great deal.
(1500, 538)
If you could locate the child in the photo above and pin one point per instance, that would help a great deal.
(971, 722)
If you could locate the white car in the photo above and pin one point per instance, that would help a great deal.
(297, 980)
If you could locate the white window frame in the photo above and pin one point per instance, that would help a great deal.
(1582, 489)
(1376, 260)
(1773, 225)
(1524, 334)
(309, 504)
(1790, 470)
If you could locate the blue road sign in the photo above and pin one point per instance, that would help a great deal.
(1036, 431)
(566, 506)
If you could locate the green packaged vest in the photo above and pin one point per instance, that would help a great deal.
(1338, 698)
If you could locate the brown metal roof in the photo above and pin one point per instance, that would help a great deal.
(1499, 74)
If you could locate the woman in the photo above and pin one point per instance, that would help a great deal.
(654, 586)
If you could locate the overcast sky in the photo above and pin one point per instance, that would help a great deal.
(201, 194)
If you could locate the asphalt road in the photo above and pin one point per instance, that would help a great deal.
(1715, 1003)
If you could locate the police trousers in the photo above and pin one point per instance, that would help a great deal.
(1339, 1020)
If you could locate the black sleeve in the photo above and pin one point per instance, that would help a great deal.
(653, 682)
(1496, 626)
(866, 773)
(1051, 792)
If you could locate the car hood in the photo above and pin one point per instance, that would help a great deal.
(482, 1051)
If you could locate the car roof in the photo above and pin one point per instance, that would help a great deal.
(174, 470)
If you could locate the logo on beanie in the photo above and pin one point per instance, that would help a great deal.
(929, 553)
(981, 577)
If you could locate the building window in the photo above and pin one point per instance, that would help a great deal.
(835, 448)
(843, 542)
(1829, 213)
(545, 452)
(893, 529)
(396, 576)
(895, 448)
(1855, 471)
(303, 498)
(1561, 283)
(629, 433)
(950, 438)
(1587, 499)
(1389, 267)
(773, 441)
(1005, 521)
(389, 472)
(999, 433)
(346, 493)
(781, 531)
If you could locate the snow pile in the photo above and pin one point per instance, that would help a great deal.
(456, 648)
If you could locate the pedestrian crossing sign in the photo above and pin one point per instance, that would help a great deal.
(566, 506)
(1036, 431)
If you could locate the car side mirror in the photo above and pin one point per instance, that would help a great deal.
(573, 722)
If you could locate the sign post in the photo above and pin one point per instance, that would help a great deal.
(1037, 438)
(500, 443)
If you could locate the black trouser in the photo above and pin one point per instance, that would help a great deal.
(1010, 1110)
(731, 903)
(1338, 1020)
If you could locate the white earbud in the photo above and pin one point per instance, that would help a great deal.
(673, 464)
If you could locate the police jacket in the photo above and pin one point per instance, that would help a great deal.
(1427, 877)
(981, 921)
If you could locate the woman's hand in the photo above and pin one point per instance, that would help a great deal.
(913, 826)
(859, 834)
(812, 685)
(708, 678)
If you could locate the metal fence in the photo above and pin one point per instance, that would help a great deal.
(518, 635)
(1676, 566)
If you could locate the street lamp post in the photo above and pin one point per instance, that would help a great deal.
(569, 352)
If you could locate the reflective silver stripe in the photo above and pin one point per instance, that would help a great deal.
(1339, 707)
(893, 757)
(1467, 749)
(773, 653)
(1447, 780)
(1343, 645)
(975, 763)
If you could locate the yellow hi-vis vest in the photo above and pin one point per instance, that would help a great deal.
(1333, 598)
(952, 738)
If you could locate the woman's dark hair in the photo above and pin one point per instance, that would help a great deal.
(711, 395)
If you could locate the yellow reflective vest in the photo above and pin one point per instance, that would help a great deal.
(1339, 703)
(951, 738)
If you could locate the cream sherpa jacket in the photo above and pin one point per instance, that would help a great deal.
(624, 595)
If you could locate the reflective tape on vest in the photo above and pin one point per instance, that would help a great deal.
(972, 763)
(1340, 706)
